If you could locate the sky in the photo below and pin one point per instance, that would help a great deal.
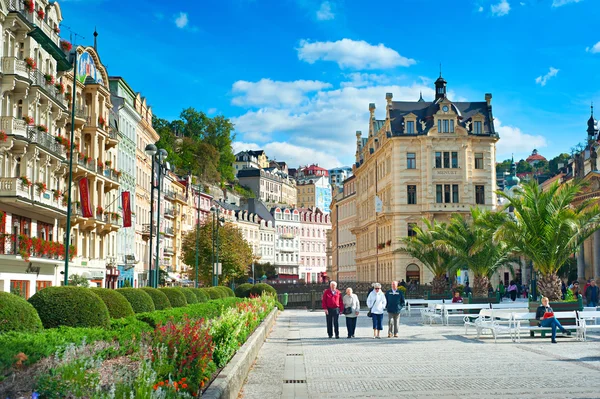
(296, 76)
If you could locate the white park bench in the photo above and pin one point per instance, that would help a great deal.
(420, 303)
(496, 321)
(521, 323)
(587, 320)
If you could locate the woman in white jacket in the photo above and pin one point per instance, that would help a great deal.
(376, 303)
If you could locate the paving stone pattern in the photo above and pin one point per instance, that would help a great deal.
(299, 361)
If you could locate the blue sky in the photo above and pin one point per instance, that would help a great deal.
(296, 76)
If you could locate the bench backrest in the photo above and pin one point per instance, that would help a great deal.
(589, 314)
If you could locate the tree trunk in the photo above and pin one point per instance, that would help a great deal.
(480, 285)
(438, 285)
(549, 286)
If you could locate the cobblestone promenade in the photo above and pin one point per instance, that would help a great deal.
(299, 361)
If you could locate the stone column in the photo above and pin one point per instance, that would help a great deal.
(581, 263)
(596, 250)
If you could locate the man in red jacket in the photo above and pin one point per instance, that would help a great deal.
(333, 304)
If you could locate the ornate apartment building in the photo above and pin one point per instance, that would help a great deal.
(287, 243)
(269, 185)
(314, 191)
(424, 160)
(314, 225)
(343, 220)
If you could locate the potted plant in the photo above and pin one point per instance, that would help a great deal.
(68, 96)
(28, 120)
(60, 87)
(49, 79)
(65, 200)
(56, 194)
(389, 243)
(80, 156)
(66, 45)
(100, 164)
(41, 186)
(3, 135)
(99, 210)
(56, 29)
(30, 62)
(117, 173)
(42, 128)
(40, 14)
(101, 121)
(29, 6)
(25, 181)
(108, 163)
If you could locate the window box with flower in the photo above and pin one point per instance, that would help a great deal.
(100, 165)
(28, 120)
(60, 87)
(56, 194)
(99, 210)
(381, 245)
(56, 29)
(29, 6)
(41, 14)
(41, 186)
(389, 243)
(101, 122)
(69, 96)
(30, 63)
(42, 128)
(49, 79)
(108, 163)
(25, 182)
(65, 45)
(3, 135)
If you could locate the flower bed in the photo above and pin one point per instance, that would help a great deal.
(167, 354)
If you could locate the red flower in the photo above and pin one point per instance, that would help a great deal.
(66, 45)
(40, 14)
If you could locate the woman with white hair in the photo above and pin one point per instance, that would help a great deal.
(376, 302)
(351, 310)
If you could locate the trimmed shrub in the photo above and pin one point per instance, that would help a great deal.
(243, 290)
(140, 301)
(175, 296)
(214, 293)
(70, 306)
(159, 298)
(200, 295)
(259, 288)
(207, 311)
(190, 296)
(117, 304)
(228, 291)
(16, 314)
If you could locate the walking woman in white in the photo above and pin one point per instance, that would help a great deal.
(351, 310)
(376, 303)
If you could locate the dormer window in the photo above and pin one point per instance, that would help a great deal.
(445, 125)
(410, 127)
(477, 127)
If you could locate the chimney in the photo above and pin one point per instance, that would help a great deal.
(488, 98)
(388, 98)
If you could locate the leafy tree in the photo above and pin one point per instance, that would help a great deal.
(263, 269)
(470, 241)
(421, 247)
(559, 159)
(76, 280)
(548, 228)
(235, 254)
(504, 166)
(524, 166)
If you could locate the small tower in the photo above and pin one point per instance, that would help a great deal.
(95, 40)
(592, 129)
(421, 97)
(440, 87)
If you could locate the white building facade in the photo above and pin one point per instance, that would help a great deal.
(287, 243)
(314, 225)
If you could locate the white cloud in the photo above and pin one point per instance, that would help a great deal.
(358, 79)
(594, 49)
(267, 92)
(211, 111)
(293, 155)
(542, 80)
(501, 8)
(559, 3)
(352, 54)
(324, 12)
(513, 140)
(181, 20)
(480, 9)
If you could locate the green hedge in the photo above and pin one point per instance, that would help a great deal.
(70, 306)
(175, 296)
(200, 295)
(227, 291)
(214, 293)
(117, 305)
(259, 288)
(159, 298)
(243, 290)
(140, 301)
(16, 314)
(190, 296)
(207, 310)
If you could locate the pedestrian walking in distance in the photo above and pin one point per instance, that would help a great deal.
(351, 311)
(333, 304)
(376, 302)
(395, 303)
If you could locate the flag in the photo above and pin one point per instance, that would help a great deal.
(125, 201)
(84, 197)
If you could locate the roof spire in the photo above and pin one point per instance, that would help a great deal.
(421, 97)
(592, 108)
(95, 40)
(440, 69)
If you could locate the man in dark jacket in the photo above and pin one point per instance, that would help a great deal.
(333, 304)
(395, 303)
(592, 293)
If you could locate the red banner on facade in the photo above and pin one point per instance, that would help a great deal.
(125, 201)
(84, 197)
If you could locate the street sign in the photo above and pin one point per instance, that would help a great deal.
(219, 268)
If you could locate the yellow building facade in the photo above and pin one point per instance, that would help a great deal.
(424, 160)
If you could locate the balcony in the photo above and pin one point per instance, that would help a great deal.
(146, 231)
(39, 80)
(30, 198)
(87, 163)
(33, 247)
(47, 141)
(168, 249)
(169, 231)
(15, 66)
(169, 212)
(16, 127)
(113, 138)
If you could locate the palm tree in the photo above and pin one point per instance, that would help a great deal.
(420, 246)
(470, 241)
(547, 228)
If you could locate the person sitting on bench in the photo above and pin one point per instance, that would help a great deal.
(545, 315)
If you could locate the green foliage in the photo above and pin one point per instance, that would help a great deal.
(207, 310)
(70, 306)
(553, 164)
(76, 280)
(190, 295)
(235, 254)
(243, 191)
(126, 284)
(264, 269)
(213, 293)
(524, 166)
(504, 166)
(569, 296)
(117, 304)
(243, 290)
(159, 298)
(176, 297)
(200, 295)
(16, 314)
(140, 301)
(228, 292)
(279, 306)
(258, 289)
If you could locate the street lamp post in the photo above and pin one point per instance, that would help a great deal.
(197, 234)
(215, 276)
(151, 151)
(162, 168)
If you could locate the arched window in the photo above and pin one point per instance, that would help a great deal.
(413, 273)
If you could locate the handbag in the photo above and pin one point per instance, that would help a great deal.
(348, 310)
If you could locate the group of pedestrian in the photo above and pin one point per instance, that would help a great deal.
(378, 303)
